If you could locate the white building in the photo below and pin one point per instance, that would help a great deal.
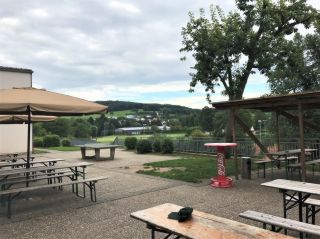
(13, 137)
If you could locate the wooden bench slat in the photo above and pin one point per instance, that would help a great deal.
(38, 178)
(26, 189)
(282, 222)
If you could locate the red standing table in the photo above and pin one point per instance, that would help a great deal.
(221, 181)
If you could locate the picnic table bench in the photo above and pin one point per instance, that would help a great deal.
(279, 223)
(297, 166)
(200, 226)
(46, 162)
(263, 163)
(78, 169)
(74, 167)
(13, 193)
(97, 148)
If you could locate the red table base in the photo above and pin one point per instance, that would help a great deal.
(218, 182)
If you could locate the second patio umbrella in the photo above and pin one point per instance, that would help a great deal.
(15, 119)
(27, 101)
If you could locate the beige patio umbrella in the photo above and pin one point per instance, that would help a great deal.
(27, 101)
(14, 119)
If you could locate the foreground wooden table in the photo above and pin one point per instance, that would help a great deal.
(200, 226)
(97, 147)
(294, 193)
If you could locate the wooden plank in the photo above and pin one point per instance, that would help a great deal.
(282, 222)
(296, 186)
(202, 225)
(26, 189)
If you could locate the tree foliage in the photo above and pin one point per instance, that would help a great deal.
(229, 48)
(298, 65)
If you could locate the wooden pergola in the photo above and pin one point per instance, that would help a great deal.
(280, 105)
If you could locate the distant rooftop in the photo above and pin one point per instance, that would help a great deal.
(13, 69)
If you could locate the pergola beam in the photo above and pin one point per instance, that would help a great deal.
(301, 132)
(247, 130)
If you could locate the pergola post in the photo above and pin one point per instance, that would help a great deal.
(278, 131)
(301, 133)
(235, 151)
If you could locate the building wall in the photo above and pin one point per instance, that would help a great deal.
(14, 79)
(13, 137)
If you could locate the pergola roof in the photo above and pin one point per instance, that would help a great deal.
(273, 103)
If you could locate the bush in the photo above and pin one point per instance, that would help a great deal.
(51, 141)
(198, 134)
(130, 143)
(156, 146)
(167, 146)
(38, 142)
(66, 142)
(144, 146)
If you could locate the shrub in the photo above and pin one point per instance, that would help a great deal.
(51, 141)
(197, 134)
(167, 146)
(156, 145)
(130, 143)
(66, 142)
(38, 142)
(144, 146)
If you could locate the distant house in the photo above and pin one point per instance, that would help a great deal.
(139, 130)
(131, 116)
(13, 136)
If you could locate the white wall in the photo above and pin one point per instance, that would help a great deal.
(13, 137)
(14, 79)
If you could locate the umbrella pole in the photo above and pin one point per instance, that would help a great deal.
(29, 133)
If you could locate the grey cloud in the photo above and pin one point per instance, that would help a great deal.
(80, 43)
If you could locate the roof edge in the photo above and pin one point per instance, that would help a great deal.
(14, 69)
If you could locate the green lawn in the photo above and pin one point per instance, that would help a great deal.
(196, 168)
(60, 148)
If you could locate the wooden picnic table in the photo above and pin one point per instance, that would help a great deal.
(16, 157)
(97, 147)
(290, 152)
(74, 167)
(295, 193)
(286, 153)
(200, 226)
(46, 162)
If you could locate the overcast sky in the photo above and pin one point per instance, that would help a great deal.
(107, 49)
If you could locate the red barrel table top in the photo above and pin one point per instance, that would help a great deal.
(220, 144)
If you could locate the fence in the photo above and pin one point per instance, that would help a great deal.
(245, 145)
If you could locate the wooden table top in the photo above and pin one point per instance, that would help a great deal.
(220, 144)
(296, 186)
(291, 151)
(99, 146)
(8, 172)
(202, 225)
(23, 163)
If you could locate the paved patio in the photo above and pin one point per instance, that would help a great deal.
(62, 215)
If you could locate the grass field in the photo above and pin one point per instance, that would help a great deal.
(60, 148)
(187, 168)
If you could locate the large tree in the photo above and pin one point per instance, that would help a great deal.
(229, 48)
(297, 66)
